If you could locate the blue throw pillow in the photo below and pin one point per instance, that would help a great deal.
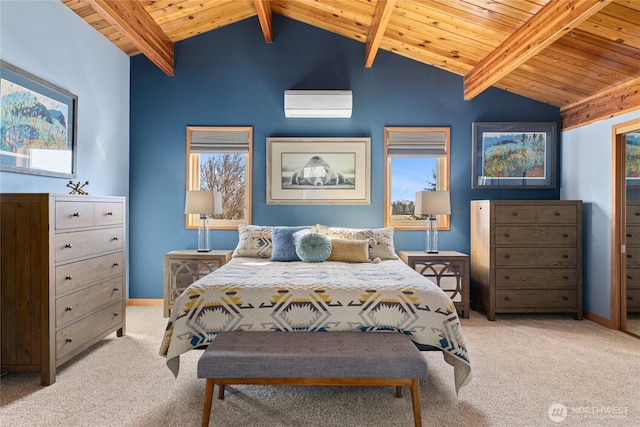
(313, 247)
(283, 242)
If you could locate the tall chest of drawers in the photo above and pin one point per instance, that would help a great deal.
(633, 256)
(62, 277)
(526, 256)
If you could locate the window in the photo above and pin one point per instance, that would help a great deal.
(219, 158)
(416, 159)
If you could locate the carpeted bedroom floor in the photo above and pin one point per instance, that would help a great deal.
(523, 365)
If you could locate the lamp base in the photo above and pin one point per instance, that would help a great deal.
(432, 252)
(203, 250)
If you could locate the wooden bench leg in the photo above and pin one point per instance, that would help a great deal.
(415, 399)
(221, 391)
(398, 391)
(208, 397)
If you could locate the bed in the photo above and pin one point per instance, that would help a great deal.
(255, 293)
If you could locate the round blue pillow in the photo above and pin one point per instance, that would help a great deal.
(313, 247)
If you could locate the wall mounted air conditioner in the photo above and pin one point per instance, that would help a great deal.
(318, 103)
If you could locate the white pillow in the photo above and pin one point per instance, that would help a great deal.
(254, 241)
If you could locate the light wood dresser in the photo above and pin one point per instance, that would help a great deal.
(526, 256)
(633, 256)
(63, 277)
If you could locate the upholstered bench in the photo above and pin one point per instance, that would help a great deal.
(312, 358)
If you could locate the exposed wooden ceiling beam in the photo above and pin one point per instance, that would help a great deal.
(264, 16)
(130, 18)
(381, 16)
(552, 22)
(604, 105)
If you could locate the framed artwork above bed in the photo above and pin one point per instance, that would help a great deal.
(328, 171)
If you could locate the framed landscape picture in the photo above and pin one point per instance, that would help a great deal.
(38, 125)
(514, 155)
(318, 171)
(633, 159)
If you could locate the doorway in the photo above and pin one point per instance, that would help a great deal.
(625, 262)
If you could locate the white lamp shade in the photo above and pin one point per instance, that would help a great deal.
(432, 203)
(203, 203)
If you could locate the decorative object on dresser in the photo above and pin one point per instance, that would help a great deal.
(63, 277)
(633, 256)
(526, 256)
(182, 268)
(450, 271)
(78, 188)
(203, 203)
(432, 203)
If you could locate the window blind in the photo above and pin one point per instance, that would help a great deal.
(418, 143)
(224, 141)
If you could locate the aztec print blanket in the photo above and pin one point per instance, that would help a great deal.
(254, 294)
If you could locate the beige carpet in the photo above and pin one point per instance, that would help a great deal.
(522, 365)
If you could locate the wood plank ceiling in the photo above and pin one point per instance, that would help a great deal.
(582, 56)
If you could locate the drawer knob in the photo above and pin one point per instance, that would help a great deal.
(69, 308)
(115, 264)
(565, 277)
(637, 214)
(515, 214)
(507, 277)
(565, 256)
(565, 235)
(506, 235)
(116, 314)
(557, 213)
(507, 299)
(68, 245)
(109, 213)
(629, 256)
(76, 214)
(507, 256)
(630, 235)
(116, 289)
(630, 277)
(69, 277)
(566, 298)
(69, 339)
(115, 238)
(630, 298)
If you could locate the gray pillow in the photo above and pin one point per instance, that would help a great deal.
(283, 242)
(313, 247)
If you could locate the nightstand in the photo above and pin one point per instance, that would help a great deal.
(448, 269)
(182, 268)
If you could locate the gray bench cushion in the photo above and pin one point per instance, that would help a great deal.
(244, 354)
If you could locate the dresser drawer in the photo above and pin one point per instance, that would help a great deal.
(536, 278)
(73, 214)
(633, 277)
(521, 298)
(73, 306)
(538, 257)
(537, 235)
(633, 299)
(633, 235)
(633, 256)
(633, 213)
(108, 213)
(85, 243)
(87, 329)
(514, 214)
(77, 275)
(556, 214)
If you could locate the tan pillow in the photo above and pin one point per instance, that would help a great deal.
(380, 244)
(349, 250)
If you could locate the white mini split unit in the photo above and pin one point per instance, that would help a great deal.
(318, 103)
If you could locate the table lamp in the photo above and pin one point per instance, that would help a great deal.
(432, 203)
(203, 203)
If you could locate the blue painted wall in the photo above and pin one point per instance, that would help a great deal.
(231, 77)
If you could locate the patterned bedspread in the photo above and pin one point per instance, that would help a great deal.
(254, 294)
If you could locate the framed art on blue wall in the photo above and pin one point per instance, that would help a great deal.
(38, 129)
(330, 171)
(514, 155)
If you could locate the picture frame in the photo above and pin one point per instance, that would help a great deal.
(323, 171)
(632, 154)
(39, 125)
(518, 155)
